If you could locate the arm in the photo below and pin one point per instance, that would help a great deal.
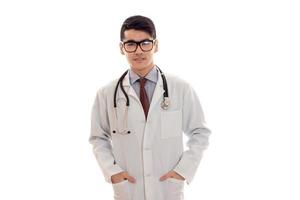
(100, 138)
(195, 129)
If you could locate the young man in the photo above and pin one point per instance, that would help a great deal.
(138, 123)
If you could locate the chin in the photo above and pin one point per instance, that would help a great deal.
(139, 66)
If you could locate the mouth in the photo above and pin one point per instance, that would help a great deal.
(139, 59)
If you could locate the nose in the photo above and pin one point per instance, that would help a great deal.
(138, 49)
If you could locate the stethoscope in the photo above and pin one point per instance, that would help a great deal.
(165, 103)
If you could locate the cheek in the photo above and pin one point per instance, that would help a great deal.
(149, 56)
(129, 56)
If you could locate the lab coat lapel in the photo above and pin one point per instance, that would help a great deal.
(157, 94)
(128, 89)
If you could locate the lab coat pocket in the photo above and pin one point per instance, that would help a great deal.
(171, 124)
(175, 180)
(121, 190)
(174, 189)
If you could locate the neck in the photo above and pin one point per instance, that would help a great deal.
(144, 71)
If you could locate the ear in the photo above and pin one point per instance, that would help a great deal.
(121, 48)
(156, 46)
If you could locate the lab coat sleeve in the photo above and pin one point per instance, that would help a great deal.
(194, 127)
(100, 138)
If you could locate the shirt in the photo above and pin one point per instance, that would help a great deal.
(150, 84)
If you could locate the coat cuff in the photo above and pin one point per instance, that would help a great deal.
(115, 169)
(186, 170)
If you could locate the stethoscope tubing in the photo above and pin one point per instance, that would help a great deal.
(164, 105)
(120, 82)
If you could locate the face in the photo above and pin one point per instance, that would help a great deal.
(139, 60)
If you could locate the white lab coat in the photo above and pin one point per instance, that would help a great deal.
(153, 147)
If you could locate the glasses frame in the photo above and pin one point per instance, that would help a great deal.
(138, 44)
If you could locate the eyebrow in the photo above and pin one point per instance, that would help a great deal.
(137, 41)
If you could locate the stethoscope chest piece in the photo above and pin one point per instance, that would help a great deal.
(165, 103)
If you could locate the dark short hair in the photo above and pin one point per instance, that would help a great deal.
(139, 23)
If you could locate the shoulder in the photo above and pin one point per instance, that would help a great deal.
(108, 87)
(176, 81)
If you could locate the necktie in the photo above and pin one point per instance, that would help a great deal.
(143, 96)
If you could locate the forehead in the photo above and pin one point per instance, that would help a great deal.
(136, 35)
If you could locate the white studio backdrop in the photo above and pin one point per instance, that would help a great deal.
(242, 58)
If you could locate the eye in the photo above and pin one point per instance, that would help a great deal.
(146, 42)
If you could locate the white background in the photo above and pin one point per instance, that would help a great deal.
(242, 58)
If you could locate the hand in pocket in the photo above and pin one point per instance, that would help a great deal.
(117, 178)
(172, 174)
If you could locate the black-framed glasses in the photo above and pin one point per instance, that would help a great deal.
(131, 45)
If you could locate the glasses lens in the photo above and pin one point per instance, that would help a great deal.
(130, 47)
(146, 45)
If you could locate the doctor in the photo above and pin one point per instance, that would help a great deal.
(138, 121)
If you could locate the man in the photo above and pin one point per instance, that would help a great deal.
(145, 160)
